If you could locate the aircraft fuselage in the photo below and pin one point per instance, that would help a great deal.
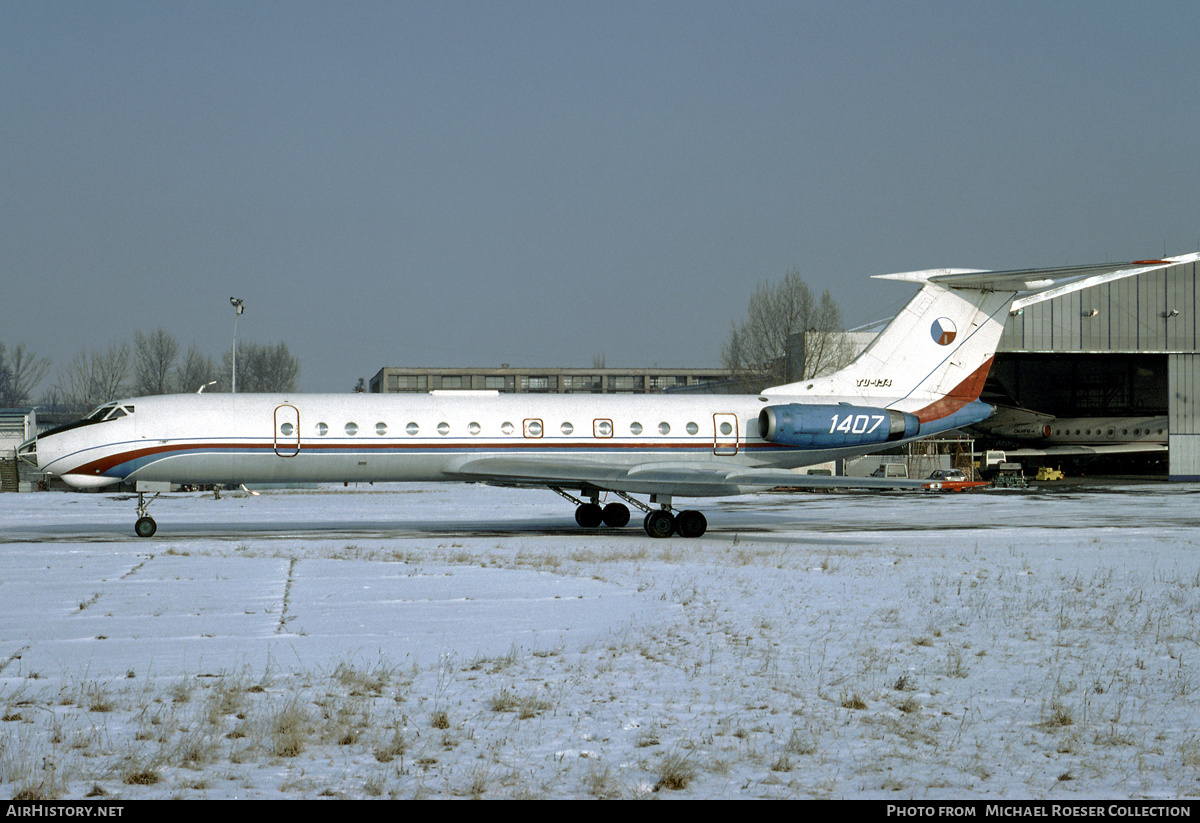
(277, 438)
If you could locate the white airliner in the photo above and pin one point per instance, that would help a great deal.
(1044, 435)
(922, 375)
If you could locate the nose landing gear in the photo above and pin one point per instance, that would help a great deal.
(145, 525)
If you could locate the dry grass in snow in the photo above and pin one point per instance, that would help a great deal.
(1049, 654)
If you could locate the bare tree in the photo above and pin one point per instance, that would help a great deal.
(826, 346)
(94, 378)
(154, 362)
(264, 368)
(758, 348)
(196, 370)
(20, 373)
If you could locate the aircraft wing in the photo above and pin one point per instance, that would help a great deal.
(683, 479)
(1085, 451)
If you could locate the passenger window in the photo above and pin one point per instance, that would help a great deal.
(381, 429)
(635, 428)
(412, 428)
(473, 428)
(443, 429)
(726, 428)
(322, 429)
(506, 427)
(602, 428)
(351, 429)
(567, 428)
(664, 428)
(286, 429)
(692, 428)
(533, 428)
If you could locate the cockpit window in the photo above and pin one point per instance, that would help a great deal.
(99, 414)
(102, 414)
(109, 411)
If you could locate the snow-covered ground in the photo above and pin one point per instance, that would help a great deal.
(468, 641)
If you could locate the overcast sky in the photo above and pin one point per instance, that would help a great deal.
(477, 183)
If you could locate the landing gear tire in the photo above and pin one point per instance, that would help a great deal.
(616, 515)
(659, 524)
(589, 515)
(145, 527)
(691, 523)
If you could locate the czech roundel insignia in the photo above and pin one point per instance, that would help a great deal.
(943, 331)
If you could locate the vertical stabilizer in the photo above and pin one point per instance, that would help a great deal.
(930, 360)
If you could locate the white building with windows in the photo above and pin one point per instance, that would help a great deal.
(394, 379)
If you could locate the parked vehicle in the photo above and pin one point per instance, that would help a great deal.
(948, 474)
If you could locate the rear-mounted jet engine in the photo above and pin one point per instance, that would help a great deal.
(821, 427)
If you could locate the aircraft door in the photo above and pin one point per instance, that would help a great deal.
(287, 431)
(725, 434)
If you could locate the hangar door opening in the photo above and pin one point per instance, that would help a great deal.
(1081, 385)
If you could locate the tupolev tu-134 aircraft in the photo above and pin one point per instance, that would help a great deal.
(922, 375)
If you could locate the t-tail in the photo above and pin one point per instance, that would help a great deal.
(930, 361)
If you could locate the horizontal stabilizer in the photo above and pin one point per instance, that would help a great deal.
(1040, 284)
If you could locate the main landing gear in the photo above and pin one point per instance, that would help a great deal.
(687, 523)
(590, 515)
(660, 522)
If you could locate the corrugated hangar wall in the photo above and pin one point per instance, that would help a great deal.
(1183, 418)
(1154, 314)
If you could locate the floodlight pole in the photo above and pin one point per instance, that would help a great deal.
(238, 307)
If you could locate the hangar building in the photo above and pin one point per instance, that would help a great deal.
(596, 380)
(1127, 347)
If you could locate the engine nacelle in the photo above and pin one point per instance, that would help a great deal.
(820, 427)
